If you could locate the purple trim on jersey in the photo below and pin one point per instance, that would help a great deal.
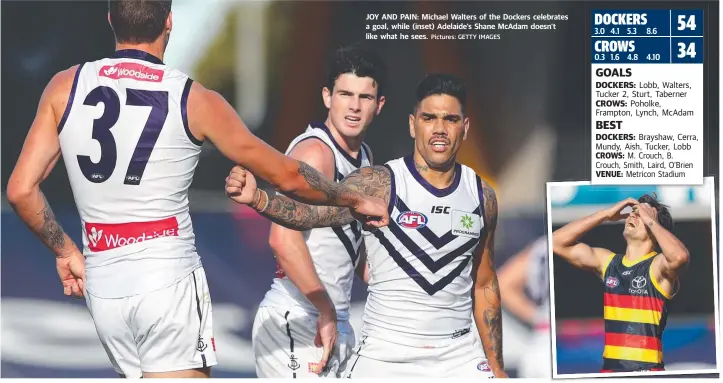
(481, 192)
(409, 161)
(138, 55)
(71, 96)
(184, 112)
(354, 161)
(432, 264)
(337, 175)
(429, 288)
(368, 152)
(427, 233)
(392, 191)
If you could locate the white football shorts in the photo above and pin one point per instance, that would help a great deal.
(161, 331)
(378, 358)
(283, 344)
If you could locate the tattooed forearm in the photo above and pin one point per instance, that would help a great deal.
(50, 232)
(373, 181)
(492, 324)
(336, 194)
(298, 216)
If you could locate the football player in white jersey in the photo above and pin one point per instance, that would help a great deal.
(130, 131)
(316, 267)
(431, 271)
(525, 288)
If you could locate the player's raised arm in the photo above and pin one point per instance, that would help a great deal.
(675, 255)
(210, 116)
(486, 291)
(564, 239)
(38, 157)
(374, 181)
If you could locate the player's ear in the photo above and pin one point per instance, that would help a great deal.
(466, 128)
(380, 103)
(169, 22)
(326, 96)
(411, 126)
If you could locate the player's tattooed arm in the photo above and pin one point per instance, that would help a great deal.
(40, 219)
(487, 311)
(373, 181)
(38, 157)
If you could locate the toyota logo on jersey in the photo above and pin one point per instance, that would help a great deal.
(412, 220)
(132, 71)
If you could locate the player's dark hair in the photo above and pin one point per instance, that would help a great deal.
(138, 21)
(441, 83)
(357, 60)
(664, 218)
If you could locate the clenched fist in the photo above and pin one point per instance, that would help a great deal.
(241, 186)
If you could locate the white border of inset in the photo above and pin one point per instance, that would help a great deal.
(708, 182)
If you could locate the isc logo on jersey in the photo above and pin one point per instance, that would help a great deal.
(412, 220)
(132, 71)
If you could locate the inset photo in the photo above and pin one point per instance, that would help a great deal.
(633, 281)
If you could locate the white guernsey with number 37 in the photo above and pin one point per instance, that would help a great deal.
(130, 158)
(647, 97)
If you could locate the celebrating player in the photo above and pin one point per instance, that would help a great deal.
(433, 266)
(130, 131)
(639, 283)
(316, 267)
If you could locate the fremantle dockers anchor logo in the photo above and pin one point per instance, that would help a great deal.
(293, 364)
(201, 346)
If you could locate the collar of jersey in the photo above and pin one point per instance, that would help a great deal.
(629, 263)
(356, 162)
(409, 161)
(138, 55)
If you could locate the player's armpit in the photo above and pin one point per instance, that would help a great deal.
(373, 181)
(210, 116)
(38, 157)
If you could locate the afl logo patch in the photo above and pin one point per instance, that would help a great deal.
(412, 220)
(484, 367)
(612, 282)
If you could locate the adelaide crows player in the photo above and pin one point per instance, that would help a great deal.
(639, 283)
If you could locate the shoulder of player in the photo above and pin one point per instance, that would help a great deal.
(371, 180)
(58, 89)
(316, 153)
(489, 195)
(368, 150)
(62, 82)
(603, 254)
(207, 105)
